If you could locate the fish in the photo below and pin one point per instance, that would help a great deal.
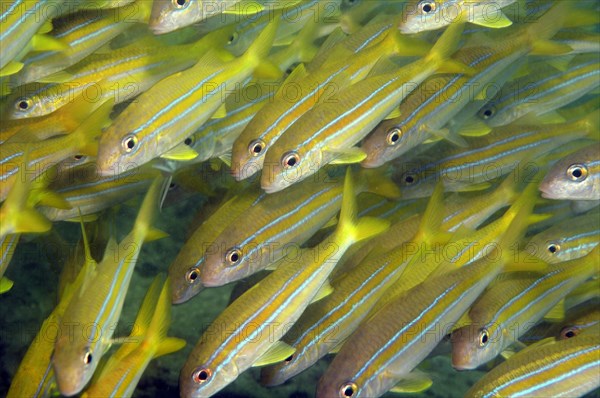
(488, 157)
(399, 335)
(302, 91)
(543, 91)
(276, 226)
(83, 32)
(79, 346)
(276, 301)
(424, 15)
(567, 240)
(508, 309)
(156, 124)
(43, 155)
(575, 177)
(328, 132)
(122, 372)
(568, 367)
(35, 375)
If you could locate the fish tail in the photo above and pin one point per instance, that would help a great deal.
(150, 205)
(158, 311)
(541, 31)
(85, 136)
(592, 124)
(377, 182)
(430, 230)
(304, 41)
(259, 50)
(350, 229)
(447, 44)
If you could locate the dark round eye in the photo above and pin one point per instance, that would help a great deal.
(289, 359)
(179, 4)
(487, 112)
(393, 136)
(232, 38)
(290, 160)
(87, 358)
(569, 332)
(348, 389)
(410, 179)
(233, 256)
(427, 7)
(483, 337)
(553, 248)
(78, 157)
(192, 275)
(189, 141)
(577, 172)
(129, 143)
(172, 186)
(202, 375)
(256, 147)
(23, 104)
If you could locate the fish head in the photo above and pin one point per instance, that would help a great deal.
(202, 375)
(227, 262)
(285, 167)
(412, 181)
(184, 277)
(336, 386)
(570, 178)
(247, 156)
(385, 143)
(423, 15)
(474, 345)
(123, 151)
(549, 251)
(75, 358)
(28, 101)
(169, 15)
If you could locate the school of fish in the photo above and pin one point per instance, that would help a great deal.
(386, 182)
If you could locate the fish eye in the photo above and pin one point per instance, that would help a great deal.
(172, 186)
(232, 38)
(87, 357)
(256, 147)
(201, 375)
(577, 172)
(348, 389)
(487, 113)
(484, 337)
(78, 157)
(180, 4)
(553, 248)
(129, 143)
(189, 141)
(427, 7)
(192, 275)
(233, 256)
(410, 179)
(393, 136)
(23, 104)
(290, 160)
(289, 359)
(569, 332)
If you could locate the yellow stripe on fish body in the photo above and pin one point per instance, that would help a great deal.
(258, 318)
(565, 368)
(21, 19)
(508, 309)
(173, 109)
(328, 131)
(88, 323)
